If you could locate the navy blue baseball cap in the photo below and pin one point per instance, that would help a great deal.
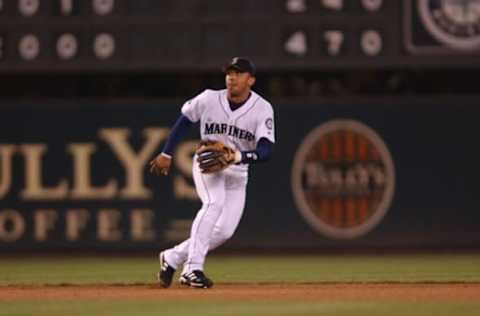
(240, 64)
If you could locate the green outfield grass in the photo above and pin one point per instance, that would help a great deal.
(38, 270)
(152, 308)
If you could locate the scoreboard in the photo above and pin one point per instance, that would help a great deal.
(176, 35)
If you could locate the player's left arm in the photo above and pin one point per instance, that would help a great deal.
(265, 135)
(263, 152)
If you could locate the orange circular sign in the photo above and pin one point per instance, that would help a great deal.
(343, 179)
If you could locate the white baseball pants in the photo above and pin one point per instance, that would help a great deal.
(223, 200)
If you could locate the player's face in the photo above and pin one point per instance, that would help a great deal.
(238, 83)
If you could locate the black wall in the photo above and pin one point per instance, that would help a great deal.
(433, 144)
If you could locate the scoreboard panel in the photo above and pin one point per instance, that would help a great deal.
(176, 35)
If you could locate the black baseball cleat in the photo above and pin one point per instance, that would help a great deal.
(165, 275)
(196, 279)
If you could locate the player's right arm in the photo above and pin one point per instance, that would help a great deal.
(191, 112)
(161, 164)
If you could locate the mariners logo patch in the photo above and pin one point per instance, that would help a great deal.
(343, 179)
(269, 123)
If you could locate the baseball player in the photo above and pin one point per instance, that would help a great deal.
(237, 129)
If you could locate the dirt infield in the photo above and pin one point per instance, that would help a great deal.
(293, 292)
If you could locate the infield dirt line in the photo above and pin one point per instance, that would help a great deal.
(453, 292)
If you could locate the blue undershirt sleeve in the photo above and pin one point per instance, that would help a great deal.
(179, 129)
(262, 153)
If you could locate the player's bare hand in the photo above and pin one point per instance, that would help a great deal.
(160, 165)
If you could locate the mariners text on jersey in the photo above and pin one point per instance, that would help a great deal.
(240, 128)
(230, 130)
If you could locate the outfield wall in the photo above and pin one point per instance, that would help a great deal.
(370, 173)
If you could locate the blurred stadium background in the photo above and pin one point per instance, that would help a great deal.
(376, 106)
(376, 103)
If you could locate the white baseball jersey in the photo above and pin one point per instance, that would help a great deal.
(240, 129)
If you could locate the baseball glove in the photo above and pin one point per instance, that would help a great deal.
(214, 156)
